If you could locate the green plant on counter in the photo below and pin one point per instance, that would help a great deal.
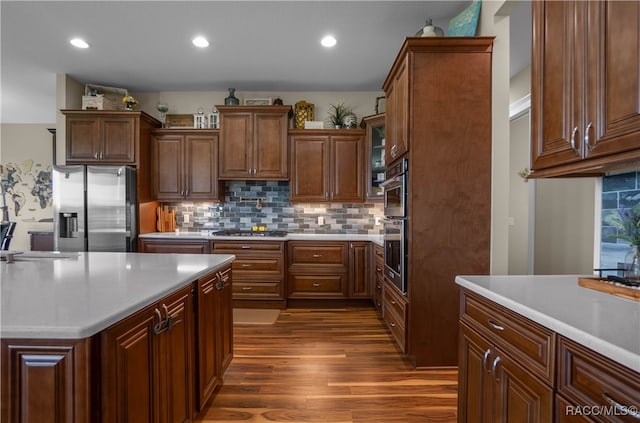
(627, 222)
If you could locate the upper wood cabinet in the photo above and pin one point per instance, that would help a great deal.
(397, 106)
(107, 137)
(327, 165)
(375, 155)
(253, 142)
(585, 86)
(185, 165)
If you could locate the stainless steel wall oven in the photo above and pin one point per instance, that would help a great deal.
(396, 225)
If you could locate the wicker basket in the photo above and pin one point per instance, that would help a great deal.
(304, 112)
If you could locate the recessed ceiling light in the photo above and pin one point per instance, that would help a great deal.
(200, 42)
(328, 41)
(79, 42)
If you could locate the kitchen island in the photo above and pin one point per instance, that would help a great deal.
(113, 337)
(543, 348)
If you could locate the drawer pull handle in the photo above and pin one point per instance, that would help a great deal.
(246, 265)
(246, 247)
(495, 326)
(317, 255)
(378, 269)
(485, 358)
(393, 302)
(393, 325)
(494, 369)
(316, 285)
(624, 410)
(246, 288)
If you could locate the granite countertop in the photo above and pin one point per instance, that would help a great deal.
(607, 324)
(292, 236)
(80, 295)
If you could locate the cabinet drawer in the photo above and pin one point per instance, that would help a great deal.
(238, 247)
(317, 286)
(588, 378)
(394, 302)
(529, 343)
(244, 265)
(244, 289)
(327, 255)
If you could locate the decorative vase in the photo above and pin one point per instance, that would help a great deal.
(350, 121)
(632, 263)
(130, 106)
(231, 100)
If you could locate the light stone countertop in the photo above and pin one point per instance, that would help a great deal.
(605, 323)
(292, 236)
(78, 296)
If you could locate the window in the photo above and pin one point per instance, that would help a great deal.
(621, 190)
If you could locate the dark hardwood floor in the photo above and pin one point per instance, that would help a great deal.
(328, 366)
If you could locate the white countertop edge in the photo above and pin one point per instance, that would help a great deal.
(293, 236)
(617, 354)
(24, 332)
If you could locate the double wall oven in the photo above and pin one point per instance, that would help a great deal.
(395, 224)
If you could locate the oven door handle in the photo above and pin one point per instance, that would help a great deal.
(391, 183)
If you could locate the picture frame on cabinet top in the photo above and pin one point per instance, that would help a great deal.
(258, 101)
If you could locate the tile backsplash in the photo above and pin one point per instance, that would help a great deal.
(249, 203)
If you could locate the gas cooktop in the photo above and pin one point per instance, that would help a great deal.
(249, 233)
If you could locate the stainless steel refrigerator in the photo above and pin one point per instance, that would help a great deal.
(94, 208)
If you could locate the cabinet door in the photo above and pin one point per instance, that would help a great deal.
(207, 372)
(474, 397)
(45, 381)
(118, 139)
(201, 163)
(168, 167)
(235, 151)
(519, 396)
(613, 83)
(175, 372)
(359, 270)
(224, 319)
(397, 113)
(375, 157)
(83, 139)
(270, 151)
(347, 168)
(557, 81)
(309, 168)
(129, 370)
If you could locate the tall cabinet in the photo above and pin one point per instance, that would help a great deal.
(439, 111)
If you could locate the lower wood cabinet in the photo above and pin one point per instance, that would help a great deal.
(508, 373)
(45, 381)
(159, 365)
(147, 373)
(318, 269)
(214, 329)
(186, 246)
(258, 272)
(394, 313)
(378, 277)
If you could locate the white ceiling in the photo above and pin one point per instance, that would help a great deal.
(145, 46)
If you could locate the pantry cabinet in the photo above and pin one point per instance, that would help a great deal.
(585, 86)
(327, 166)
(253, 142)
(185, 165)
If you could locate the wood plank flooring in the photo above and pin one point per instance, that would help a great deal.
(328, 366)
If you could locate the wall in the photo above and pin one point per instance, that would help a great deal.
(26, 157)
(239, 211)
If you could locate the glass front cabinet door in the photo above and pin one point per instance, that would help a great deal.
(375, 155)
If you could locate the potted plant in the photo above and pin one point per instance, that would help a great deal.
(627, 223)
(337, 114)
